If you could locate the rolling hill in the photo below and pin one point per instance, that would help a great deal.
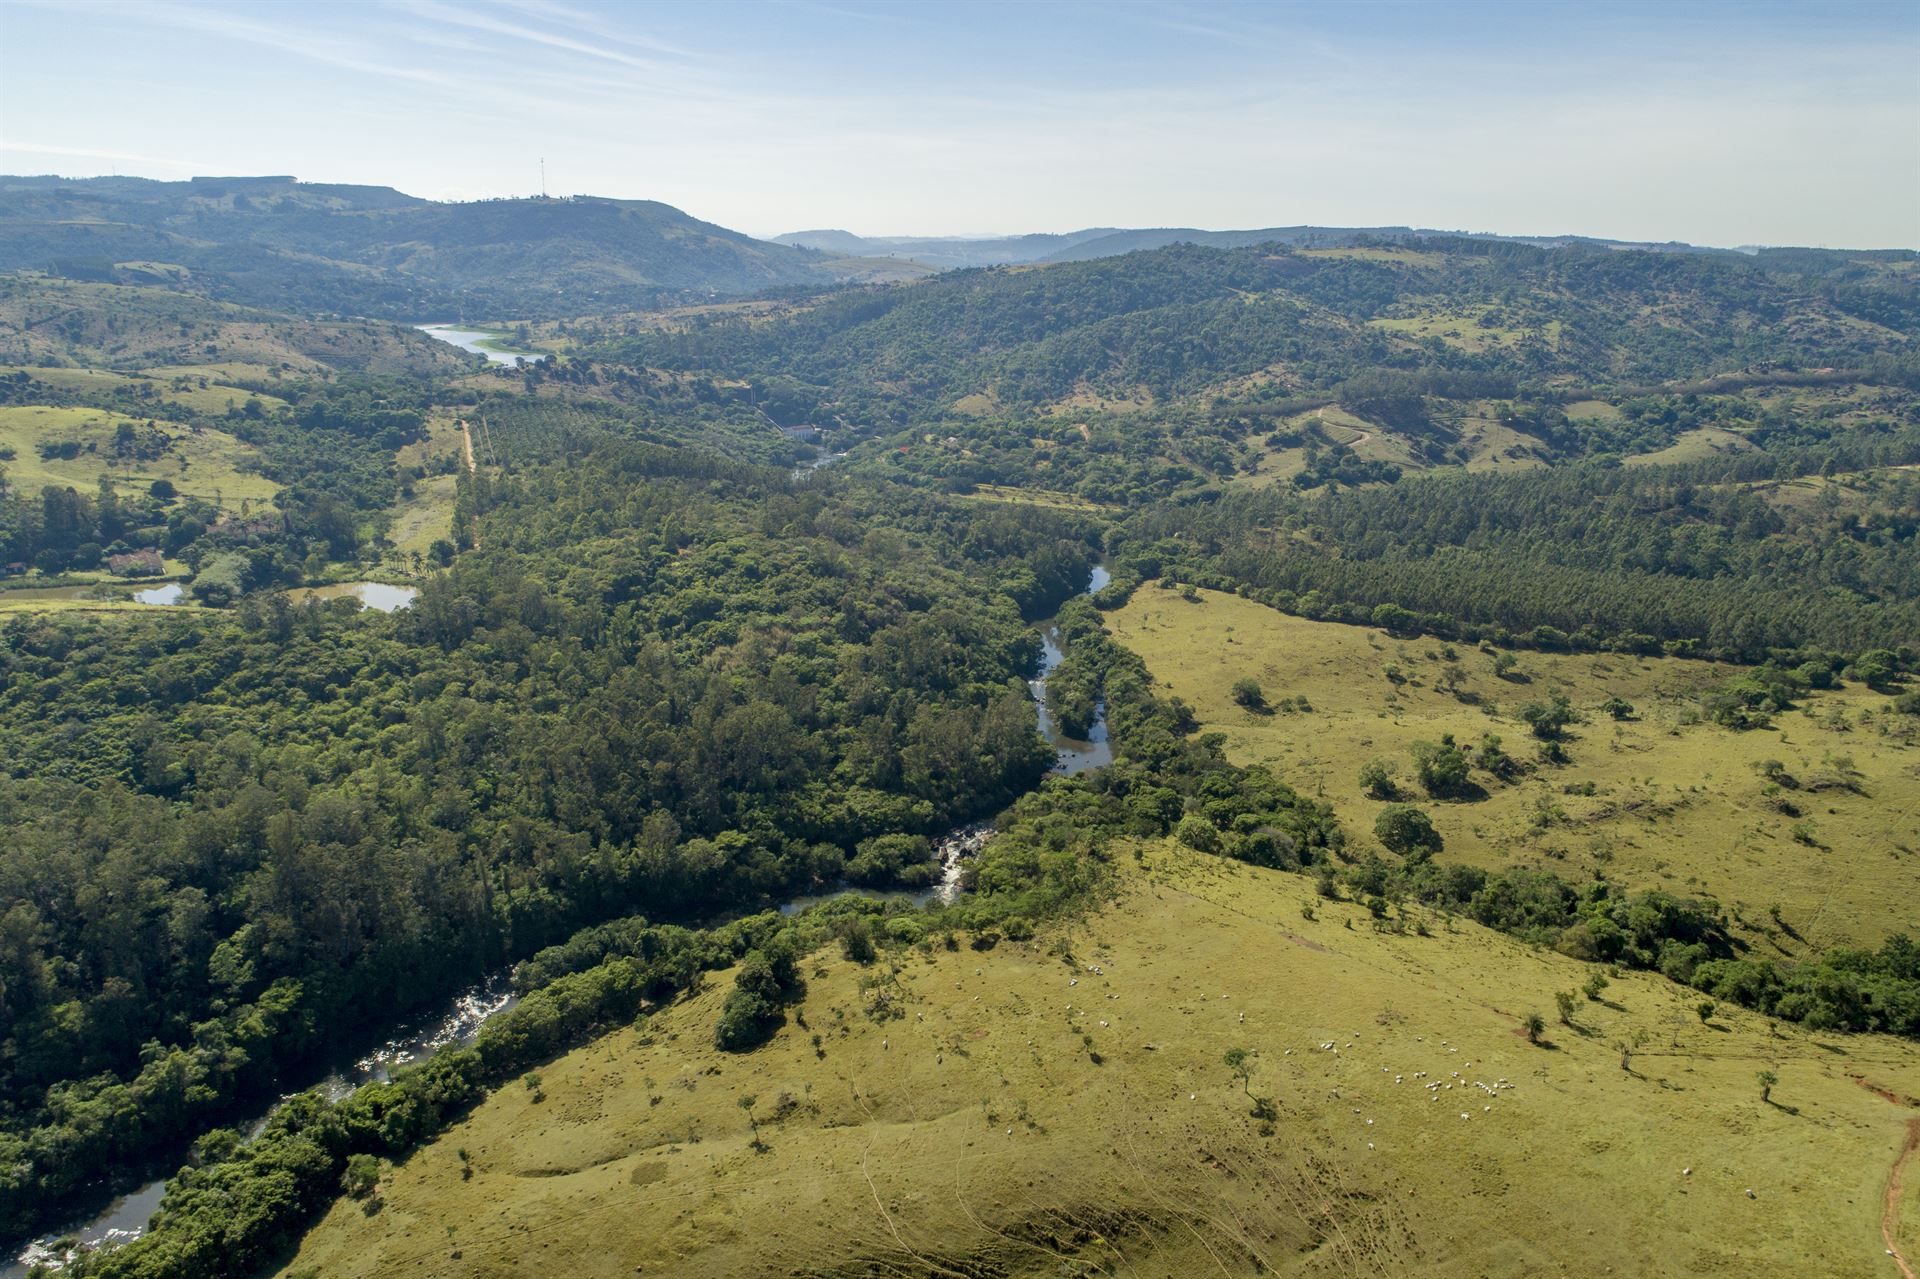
(375, 251)
(949, 252)
(1196, 322)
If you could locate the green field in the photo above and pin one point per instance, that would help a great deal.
(200, 462)
(1673, 803)
(117, 598)
(1466, 329)
(1062, 1107)
(190, 389)
(1693, 446)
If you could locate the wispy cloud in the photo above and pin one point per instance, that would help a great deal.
(592, 24)
(9, 146)
(477, 20)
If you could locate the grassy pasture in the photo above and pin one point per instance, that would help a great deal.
(46, 320)
(1694, 446)
(86, 599)
(200, 462)
(1495, 446)
(1593, 411)
(978, 1134)
(178, 387)
(1035, 497)
(1465, 329)
(424, 518)
(1406, 257)
(1673, 804)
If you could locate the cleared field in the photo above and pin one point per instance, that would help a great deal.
(45, 320)
(1694, 446)
(1088, 399)
(1035, 497)
(200, 462)
(1593, 411)
(1466, 329)
(1495, 446)
(1409, 257)
(424, 518)
(1651, 801)
(190, 389)
(231, 370)
(87, 599)
(1063, 1107)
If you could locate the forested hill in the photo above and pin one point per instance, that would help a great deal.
(1185, 320)
(1105, 242)
(375, 251)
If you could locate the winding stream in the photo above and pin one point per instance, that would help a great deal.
(414, 1040)
(419, 1037)
(1072, 754)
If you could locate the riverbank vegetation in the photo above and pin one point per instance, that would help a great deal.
(315, 816)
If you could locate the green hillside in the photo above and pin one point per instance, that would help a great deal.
(373, 251)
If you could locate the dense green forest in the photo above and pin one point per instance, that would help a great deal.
(1690, 557)
(667, 682)
(1184, 319)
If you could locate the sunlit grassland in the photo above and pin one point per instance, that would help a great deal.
(1674, 803)
(199, 462)
(1063, 1106)
(182, 388)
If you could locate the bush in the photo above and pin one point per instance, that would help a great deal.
(1442, 769)
(1198, 833)
(856, 940)
(362, 1176)
(1376, 780)
(1549, 719)
(1246, 692)
(1406, 830)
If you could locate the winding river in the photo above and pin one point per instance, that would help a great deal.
(459, 1022)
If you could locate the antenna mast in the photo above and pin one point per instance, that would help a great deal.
(543, 177)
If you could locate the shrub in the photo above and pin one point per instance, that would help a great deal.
(1407, 830)
(1442, 769)
(1548, 720)
(1198, 833)
(1376, 779)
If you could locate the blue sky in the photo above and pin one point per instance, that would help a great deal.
(1719, 124)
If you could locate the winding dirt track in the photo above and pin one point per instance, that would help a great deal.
(1890, 1218)
(1890, 1214)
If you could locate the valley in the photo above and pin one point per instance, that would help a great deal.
(1310, 751)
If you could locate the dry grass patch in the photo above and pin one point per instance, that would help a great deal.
(977, 1134)
(1657, 800)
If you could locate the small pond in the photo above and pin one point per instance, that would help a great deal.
(380, 596)
(170, 593)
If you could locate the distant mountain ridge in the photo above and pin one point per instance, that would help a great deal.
(947, 252)
(1106, 242)
(376, 251)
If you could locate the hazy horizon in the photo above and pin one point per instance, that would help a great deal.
(1721, 125)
